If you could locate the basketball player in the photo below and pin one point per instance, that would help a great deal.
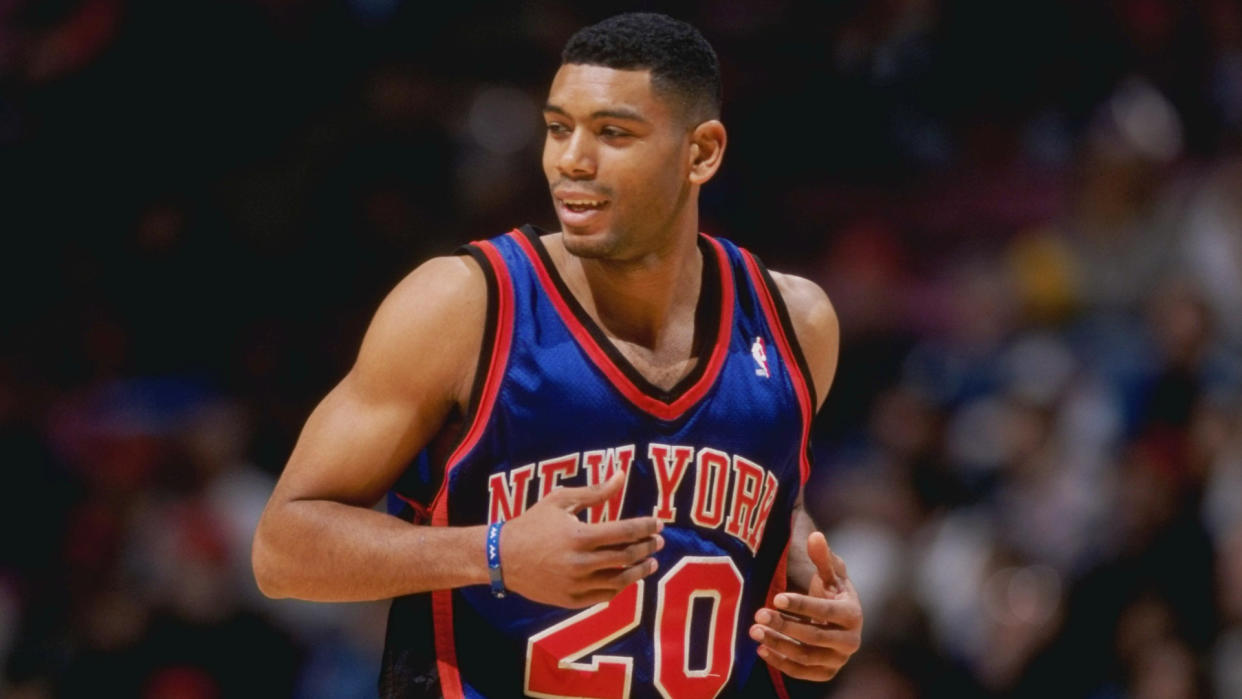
(599, 437)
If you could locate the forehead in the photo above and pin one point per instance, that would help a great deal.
(586, 89)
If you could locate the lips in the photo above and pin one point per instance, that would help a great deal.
(579, 209)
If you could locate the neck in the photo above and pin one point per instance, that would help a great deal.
(641, 299)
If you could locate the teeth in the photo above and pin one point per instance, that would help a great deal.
(580, 202)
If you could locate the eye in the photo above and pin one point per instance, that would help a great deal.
(612, 133)
(556, 128)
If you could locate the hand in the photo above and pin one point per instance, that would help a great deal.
(813, 635)
(548, 555)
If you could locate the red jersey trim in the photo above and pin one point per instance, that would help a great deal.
(647, 403)
(791, 362)
(422, 515)
(776, 587)
(805, 404)
(442, 600)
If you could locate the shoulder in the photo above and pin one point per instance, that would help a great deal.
(437, 295)
(808, 305)
(426, 334)
(815, 323)
(438, 286)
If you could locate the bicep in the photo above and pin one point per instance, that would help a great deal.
(355, 445)
(417, 356)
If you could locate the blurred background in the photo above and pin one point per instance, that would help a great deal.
(1028, 215)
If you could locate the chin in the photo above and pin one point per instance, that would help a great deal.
(597, 245)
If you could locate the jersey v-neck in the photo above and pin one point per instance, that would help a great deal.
(713, 319)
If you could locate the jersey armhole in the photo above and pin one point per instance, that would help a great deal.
(791, 334)
(490, 324)
(413, 496)
(490, 370)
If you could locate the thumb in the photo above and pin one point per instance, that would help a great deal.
(830, 567)
(578, 498)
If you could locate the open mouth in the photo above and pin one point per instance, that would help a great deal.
(579, 206)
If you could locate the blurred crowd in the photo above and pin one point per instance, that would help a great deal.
(1028, 215)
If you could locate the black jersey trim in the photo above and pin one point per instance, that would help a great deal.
(490, 325)
(415, 507)
(707, 318)
(790, 333)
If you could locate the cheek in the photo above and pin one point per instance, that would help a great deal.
(657, 176)
(663, 184)
(549, 159)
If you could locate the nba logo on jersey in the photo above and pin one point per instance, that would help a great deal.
(761, 358)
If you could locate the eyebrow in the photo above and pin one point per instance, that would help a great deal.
(621, 113)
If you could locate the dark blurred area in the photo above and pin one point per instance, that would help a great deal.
(1028, 215)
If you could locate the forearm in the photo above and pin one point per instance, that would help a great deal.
(800, 568)
(331, 552)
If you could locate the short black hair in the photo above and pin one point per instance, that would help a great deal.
(682, 63)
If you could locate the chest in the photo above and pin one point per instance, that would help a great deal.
(663, 367)
(731, 455)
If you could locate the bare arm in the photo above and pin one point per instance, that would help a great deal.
(815, 324)
(319, 538)
(817, 627)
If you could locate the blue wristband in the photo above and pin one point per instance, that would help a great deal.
(493, 560)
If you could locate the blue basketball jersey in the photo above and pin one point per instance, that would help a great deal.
(720, 459)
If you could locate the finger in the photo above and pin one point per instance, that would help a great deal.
(844, 613)
(830, 567)
(814, 673)
(574, 499)
(845, 641)
(626, 555)
(616, 580)
(621, 532)
(800, 653)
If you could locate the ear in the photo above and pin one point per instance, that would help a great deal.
(707, 147)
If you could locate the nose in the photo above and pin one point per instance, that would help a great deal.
(577, 159)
